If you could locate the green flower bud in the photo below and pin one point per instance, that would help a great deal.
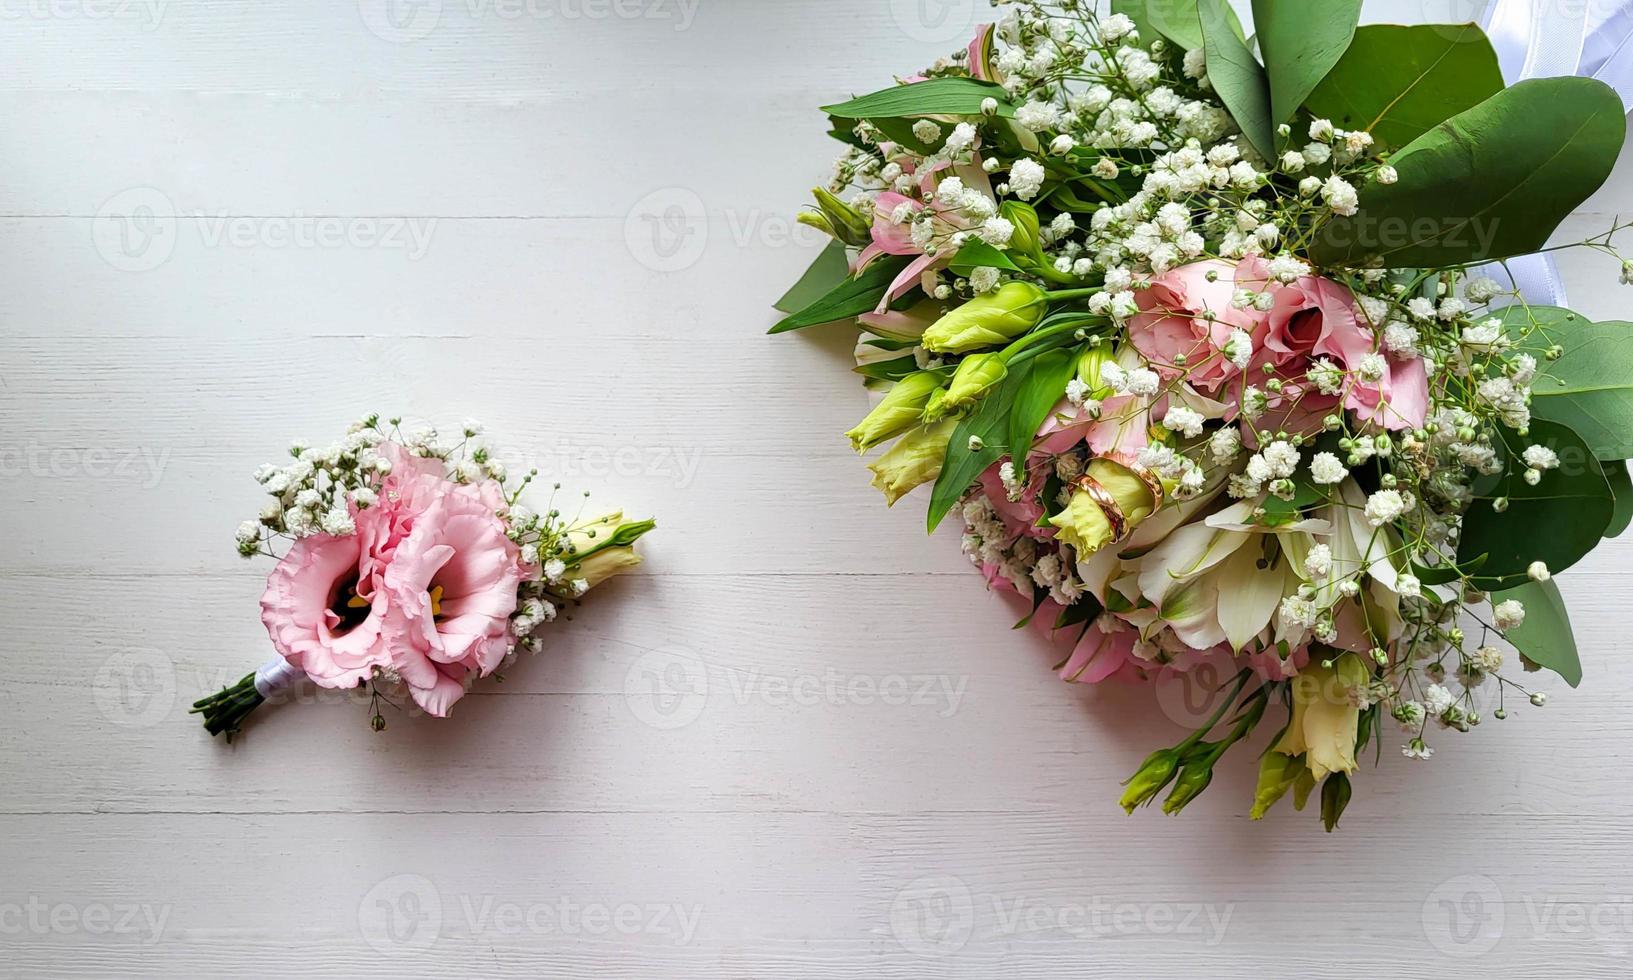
(901, 409)
(1025, 219)
(990, 320)
(844, 222)
(1193, 779)
(1335, 794)
(914, 460)
(1089, 365)
(1277, 774)
(976, 376)
(1154, 774)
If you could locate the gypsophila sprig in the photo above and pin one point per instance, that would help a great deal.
(1110, 339)
(409, 566)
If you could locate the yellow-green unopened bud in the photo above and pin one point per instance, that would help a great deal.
(976, 375)
(1193, 779)
(899, 411)
(913, 461)
(1335, 794)
(989, 320)
(1089, 365)
(1086, 526)
(1025, 219)
(1155, 773)
(846, 223)
(1277, 774)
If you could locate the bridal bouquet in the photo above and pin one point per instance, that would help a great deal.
(1206, 341)
(409, 567)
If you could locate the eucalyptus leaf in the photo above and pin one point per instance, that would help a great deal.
(1176, 20)
(1397, 83)
(1545, 637)
(851, 297)
(932, 97)
(1621, 484)
(1237, 78)
(1490, 182)
(1301, 42)
(1557, 521)
(1590, 387)
(988, 425)
(831, 267)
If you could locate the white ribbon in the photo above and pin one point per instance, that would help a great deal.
(275, 675)
(1546, 38)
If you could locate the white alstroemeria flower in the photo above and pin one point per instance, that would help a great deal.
(1205, 580)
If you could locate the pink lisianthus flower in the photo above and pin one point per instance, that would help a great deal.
(324, 611)
(425, 587)
(1187, 316)
(452, 590)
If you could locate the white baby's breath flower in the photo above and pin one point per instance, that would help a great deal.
(1326, 469)
(1384, 506)
(1026, 178)
(1508, 615)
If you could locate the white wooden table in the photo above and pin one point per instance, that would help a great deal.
(803, 742)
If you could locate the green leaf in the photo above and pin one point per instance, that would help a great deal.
(1042, 391)
(1397, 83)
(1301, 41)
(892, 370)
(932, 97)
(975, 253)
(1545, 637)
(1176, 20)
(1621, 484)
(1488, 183)
(829, 270)
(963, 464)
(1590, 388)
(1556, 522)
(1237, 77)
(852, 297)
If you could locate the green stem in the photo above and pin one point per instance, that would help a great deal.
(224, 712)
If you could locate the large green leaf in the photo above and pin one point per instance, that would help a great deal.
(1557, 521)
(1590, 388)
(1176, 20)
(829, 270)
(1397, 83)
(1301, 42)
(932, 97)
(988, 425)
(1488, 183)
(975, 254)
(852, 297)
(1237, 77)
(1545, 637)
(1036, 398)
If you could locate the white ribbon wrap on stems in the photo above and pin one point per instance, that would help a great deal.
(275, 675)
(1543, 39)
